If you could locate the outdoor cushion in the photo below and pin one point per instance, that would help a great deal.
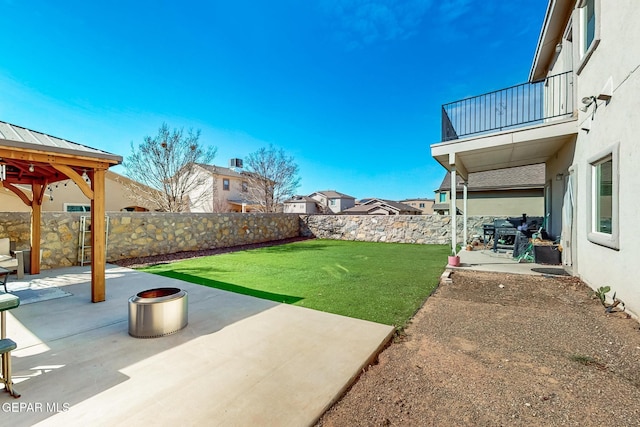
(5, 258)
(7, 345)
(5, 246)
(8, 301)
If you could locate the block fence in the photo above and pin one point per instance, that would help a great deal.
(139, 234)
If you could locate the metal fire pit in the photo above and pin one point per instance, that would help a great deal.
(157, 312)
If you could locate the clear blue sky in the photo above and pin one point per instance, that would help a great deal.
(351, 89)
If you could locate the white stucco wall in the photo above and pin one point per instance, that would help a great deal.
(617, 57)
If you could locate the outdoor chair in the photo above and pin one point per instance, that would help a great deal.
(11, 260)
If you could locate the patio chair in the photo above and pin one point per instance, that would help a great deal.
(11, 260)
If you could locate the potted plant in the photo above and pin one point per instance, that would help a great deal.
(454, 259)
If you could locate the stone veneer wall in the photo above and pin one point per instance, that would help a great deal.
(422, 229)
(138, 234)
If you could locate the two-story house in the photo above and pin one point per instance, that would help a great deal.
(578, 114)
(331, 201)
(225, 190)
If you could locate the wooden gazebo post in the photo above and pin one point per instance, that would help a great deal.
(98, 240)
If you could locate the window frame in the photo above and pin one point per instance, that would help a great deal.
(245, 187)
(226, 184)
(86, 208)
(587, 50)
(612, 240)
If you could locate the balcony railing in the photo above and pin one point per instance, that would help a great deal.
(524, 104)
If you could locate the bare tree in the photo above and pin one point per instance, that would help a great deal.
(272, 178)
(167, 166)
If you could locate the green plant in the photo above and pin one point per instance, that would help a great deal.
(601, 294)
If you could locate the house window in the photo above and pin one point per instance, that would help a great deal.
(225, 184)
(443, 197)
(603, 175)
(245, 186)
(588, 24)
(422, 205)
(589, 30)
(71, 207)
(333, 202)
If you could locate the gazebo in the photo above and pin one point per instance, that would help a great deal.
(29, 158)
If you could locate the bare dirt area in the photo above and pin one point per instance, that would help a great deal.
(493, 349)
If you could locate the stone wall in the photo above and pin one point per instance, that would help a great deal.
(421, 229)
(133, 234)
(138, 234)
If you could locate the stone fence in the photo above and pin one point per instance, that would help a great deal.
(139, 234)
(422, 229)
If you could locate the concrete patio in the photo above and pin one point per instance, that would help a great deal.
(240, 361)
(502, 262)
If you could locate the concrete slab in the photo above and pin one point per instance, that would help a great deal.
(240, 361)
(502, 262)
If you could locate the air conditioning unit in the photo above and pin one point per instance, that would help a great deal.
(235, 163)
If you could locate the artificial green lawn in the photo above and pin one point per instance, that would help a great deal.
(381, 282)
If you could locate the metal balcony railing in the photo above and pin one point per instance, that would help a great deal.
(524, 104)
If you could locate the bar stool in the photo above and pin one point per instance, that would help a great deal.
(7, 302)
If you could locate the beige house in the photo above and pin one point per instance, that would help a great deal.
(580, 118)
(227, 190)
(301, 205)
(502, 192)
(331, 201)
(424, 205)
(66, 196)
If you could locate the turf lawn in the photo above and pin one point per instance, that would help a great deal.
(381, 282)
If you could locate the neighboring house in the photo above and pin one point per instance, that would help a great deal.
(579, 115)
(301, 205)
(501, 192)
(382, 207)
(330, 201)
(65, 196)
(227, 190)
(425, 205)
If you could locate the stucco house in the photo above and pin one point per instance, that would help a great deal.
(301, 205)
(227, 190)
(331, 201)
(382, 207)
(66, 196)
(578, 114)
(502, 192)
(424, 205)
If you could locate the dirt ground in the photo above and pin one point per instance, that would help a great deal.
(495, 349)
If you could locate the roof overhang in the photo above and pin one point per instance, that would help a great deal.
(524, 146)
(555, 21)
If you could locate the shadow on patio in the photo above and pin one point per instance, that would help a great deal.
(502, 262)
(240, 361)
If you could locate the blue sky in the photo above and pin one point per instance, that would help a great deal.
(352, 89)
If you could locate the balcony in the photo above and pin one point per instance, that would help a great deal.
(517, 106)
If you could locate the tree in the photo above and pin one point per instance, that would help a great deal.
(272, 177)
(166, 165)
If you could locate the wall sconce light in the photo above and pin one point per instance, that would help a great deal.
(559, 177)
(587, 101)
(31, 168)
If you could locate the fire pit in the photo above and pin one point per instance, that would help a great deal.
(157, 312)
